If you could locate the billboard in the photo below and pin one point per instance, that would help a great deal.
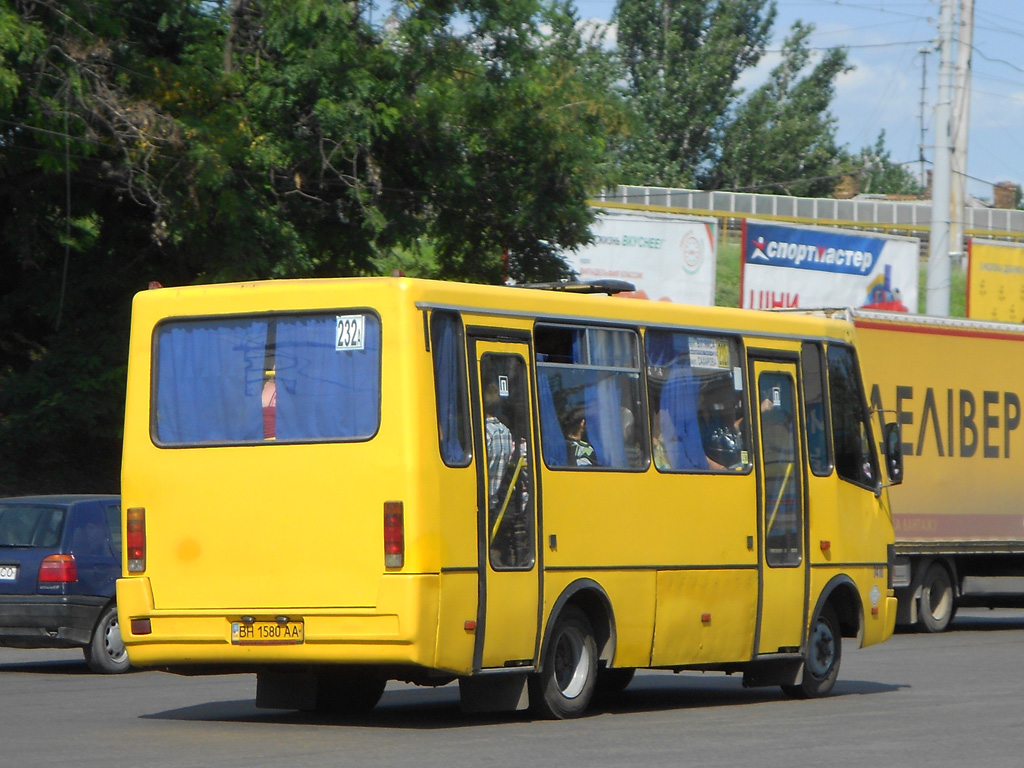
(995, 281)
(667, 257)
(789, 266)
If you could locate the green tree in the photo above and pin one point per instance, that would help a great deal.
(512, 110)
(877, 173)
(781, 139)
(467, 130)
(201, 140)
(682, 59)
(81, 158)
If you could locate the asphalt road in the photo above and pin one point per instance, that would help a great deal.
(919, 700)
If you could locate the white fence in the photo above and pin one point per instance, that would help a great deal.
(889, 215)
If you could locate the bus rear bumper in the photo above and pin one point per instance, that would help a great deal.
(400, 630)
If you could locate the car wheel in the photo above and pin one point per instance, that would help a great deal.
(105, 652)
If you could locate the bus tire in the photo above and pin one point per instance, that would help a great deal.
(565, 684)
(821, 661)
(105, 652)
(937, 605)
(348, 694)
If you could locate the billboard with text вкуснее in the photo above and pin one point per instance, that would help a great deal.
(667, 257)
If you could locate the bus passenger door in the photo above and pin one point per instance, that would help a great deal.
(783, 509)
(507, 619)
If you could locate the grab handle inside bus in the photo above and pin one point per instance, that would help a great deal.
(508, 496)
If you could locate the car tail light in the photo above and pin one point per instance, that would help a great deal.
(58, 569)
(135, 539)
(394, 534)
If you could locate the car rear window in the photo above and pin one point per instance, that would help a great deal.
(30, 526)
(286, 378)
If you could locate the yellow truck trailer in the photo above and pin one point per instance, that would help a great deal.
(955, 387)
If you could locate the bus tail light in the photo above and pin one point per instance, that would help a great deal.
(58, 569)
(394, 534)
(135, 539)
(142, 627)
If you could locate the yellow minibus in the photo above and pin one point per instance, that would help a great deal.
(333, 483)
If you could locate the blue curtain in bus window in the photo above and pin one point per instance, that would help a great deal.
(551, 437)
(665, 349)
(610, 348)
(209, 376)
(603, 408)
(449, 378)
(680, 428)
(324, 393)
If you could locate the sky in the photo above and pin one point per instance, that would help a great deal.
(883, 92)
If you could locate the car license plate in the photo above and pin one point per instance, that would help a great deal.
(8, 572)
(266, 633)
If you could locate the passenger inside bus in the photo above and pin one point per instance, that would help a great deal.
(581, 452)
(634, 453)
(498, 443)
(680, 427)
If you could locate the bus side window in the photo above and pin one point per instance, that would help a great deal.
(851, 431)
(510, 507)
(783, 528)
(589, 396)
(448, 347)
(818, 448)
(695, 392)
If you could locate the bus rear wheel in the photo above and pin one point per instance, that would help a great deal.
(565, 685)
(821, 661)
(937, 606)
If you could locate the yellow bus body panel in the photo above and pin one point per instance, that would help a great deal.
(706, 616)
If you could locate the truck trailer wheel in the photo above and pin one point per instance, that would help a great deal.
(937, 606)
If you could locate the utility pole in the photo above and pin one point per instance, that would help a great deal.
(937, 282)
(961, 123)
(920, 144)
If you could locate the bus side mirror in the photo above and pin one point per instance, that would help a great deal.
(893, 441)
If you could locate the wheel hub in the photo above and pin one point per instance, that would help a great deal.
(823, 650)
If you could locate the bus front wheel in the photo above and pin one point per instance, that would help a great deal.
(821, 662)
(565, 685)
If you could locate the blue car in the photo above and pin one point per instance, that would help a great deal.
(60, 557)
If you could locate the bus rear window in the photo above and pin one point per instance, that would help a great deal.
(285, 378)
